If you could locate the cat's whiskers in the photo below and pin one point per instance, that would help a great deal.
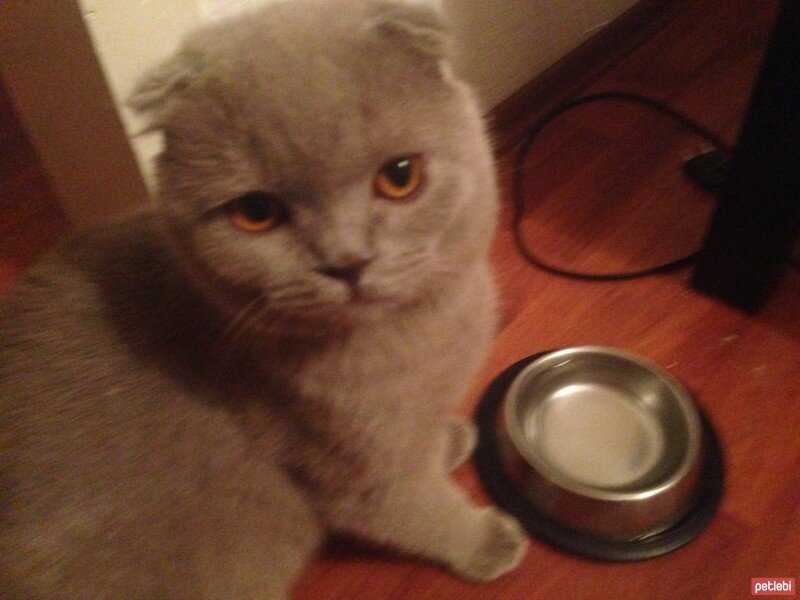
(240, 321)
(294, 297)
(408, 259)
(257, 310)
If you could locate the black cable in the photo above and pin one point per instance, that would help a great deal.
(519, 179)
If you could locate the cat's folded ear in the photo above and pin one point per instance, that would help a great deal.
(154, 93)
(417, 25)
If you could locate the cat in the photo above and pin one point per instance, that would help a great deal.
(194, 398)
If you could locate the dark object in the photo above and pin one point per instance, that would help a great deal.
(758, 215)
(519, 180)
(708, 170)
(500, 487)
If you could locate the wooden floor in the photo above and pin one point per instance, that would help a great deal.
(604, 192)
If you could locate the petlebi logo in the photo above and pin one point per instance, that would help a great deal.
(772, 586)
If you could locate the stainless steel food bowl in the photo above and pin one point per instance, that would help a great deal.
(603, 442)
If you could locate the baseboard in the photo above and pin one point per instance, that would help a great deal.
(511, 118)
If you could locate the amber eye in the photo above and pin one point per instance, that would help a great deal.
(400, 178)
(256, 212)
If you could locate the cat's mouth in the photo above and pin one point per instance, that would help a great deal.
(353, 290)
(359, 297)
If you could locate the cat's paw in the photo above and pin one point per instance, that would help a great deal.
(503, 548)
(463, 436)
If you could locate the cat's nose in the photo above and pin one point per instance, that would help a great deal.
(347, 268)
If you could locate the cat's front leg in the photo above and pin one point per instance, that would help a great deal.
(430, 517)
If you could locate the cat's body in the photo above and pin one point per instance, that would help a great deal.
(186, 409)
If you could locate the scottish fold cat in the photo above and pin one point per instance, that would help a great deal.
(192, 399)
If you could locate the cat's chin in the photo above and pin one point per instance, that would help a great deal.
(357, 309)
(321, 322)
(347, 307)
(361, 302)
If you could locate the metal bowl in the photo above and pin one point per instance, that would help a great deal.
(603, 442)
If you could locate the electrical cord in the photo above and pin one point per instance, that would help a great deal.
(519, 181)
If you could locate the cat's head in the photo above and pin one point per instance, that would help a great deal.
(320, 156)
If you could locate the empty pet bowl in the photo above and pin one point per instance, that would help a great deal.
(603, 452)
(608, 444)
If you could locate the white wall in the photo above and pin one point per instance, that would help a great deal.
(129, 37)
(503, 44)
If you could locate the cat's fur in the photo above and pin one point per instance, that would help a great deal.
(187, 410)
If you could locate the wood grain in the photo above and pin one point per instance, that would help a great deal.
(604, 192)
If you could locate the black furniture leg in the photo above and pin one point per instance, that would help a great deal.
(758, 214)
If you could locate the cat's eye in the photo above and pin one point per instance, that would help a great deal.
(256, 212)
(400, 178)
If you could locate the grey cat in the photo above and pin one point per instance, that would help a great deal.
(192, 399)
